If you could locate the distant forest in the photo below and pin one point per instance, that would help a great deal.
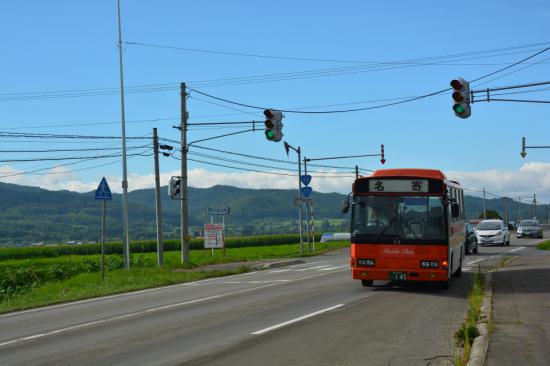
(30, 214)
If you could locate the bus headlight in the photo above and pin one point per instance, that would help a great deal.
(365, 262)
(429, 264)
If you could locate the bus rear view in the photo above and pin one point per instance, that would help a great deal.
(406, 225)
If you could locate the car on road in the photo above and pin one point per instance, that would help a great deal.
(492, 232)
(529, 228)
(471, 239)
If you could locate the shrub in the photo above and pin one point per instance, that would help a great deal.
(143, 246)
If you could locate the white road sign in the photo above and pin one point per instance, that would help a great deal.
(213, 236)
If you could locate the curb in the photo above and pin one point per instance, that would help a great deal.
(481, 343)
(280, 264)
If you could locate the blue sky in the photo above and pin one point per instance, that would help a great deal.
(67, 45)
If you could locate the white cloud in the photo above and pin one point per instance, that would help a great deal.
(530, 178)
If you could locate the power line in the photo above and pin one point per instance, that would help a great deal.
(65, 136)
(292, 58)
(70, 150)
(377, 66)
(378, 106)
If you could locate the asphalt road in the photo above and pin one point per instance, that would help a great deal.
(306, 314)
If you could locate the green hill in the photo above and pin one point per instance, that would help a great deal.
(30, 214)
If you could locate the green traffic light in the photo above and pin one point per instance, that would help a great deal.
(459, 109)
(269, 134)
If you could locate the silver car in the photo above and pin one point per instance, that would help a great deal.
(529, 228)
(492, 232)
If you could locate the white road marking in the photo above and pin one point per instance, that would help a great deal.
(254, 282)
(146, 311)
(474, 262)
(331, 268)
(516, 249)
(295, 320)
(126, 294)
(130, 315)
(308, 263)
(310, 268)
(280, 270)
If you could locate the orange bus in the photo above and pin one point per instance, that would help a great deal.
(406, 225)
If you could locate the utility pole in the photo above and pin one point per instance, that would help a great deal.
(160, 244)
(505, 207)
(126, 245)
(484, 210)
(519, 208)
(184, 208)
(307, 212)
(534, 205)
(356, 171)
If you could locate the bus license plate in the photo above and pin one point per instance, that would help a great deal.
(397, 276)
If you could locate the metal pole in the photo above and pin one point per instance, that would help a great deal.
(307, 213)
(312, 225)
(519, 208)
(103, 213)
(126, 245)
(160, 244)
(356, 171)
(184, 208)
(300, 199)
(534, 205)
(484, 209)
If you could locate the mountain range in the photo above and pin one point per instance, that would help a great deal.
(31, 214)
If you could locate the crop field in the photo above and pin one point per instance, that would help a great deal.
(43, 278)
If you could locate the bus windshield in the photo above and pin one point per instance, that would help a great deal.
(399, 219)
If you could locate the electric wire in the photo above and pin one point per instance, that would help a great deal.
(235, 81)
(382, 105)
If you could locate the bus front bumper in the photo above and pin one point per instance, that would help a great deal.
(362, 273)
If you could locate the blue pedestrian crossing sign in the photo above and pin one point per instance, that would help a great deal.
(103, 192)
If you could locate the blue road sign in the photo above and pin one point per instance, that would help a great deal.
(306, 191)
(103, 192)
(306, 179)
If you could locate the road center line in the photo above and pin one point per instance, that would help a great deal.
(295, 320)
(515, 249)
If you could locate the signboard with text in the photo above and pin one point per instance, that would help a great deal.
(399, 185)
(217, 210)
(213, 236)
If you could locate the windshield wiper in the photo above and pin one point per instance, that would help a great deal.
(386, 228)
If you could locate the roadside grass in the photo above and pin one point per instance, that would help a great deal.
(465, 335)
(44, 281)
(544, 246)
(89, 285)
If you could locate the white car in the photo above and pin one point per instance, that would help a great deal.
(492, 232)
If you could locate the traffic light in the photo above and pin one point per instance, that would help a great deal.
(174, 189)
(461, 97)
(273, 125)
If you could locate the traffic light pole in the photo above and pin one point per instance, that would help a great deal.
(160, 244)
(297, 150)
(184, 201)
(308, 224)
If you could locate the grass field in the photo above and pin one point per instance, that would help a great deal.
(28, 283)
(544, 246)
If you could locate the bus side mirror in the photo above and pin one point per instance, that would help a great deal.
(455, 210)
(345, 205)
